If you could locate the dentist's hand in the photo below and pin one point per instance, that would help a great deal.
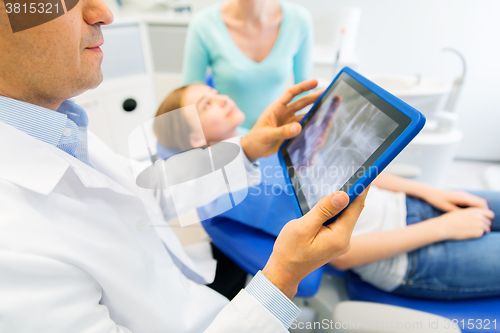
(306, 244)
(278, 122)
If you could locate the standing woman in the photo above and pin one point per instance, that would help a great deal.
(253, 48)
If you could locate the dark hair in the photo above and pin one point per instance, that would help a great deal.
(173, 134)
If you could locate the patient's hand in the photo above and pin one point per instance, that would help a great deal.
(463, 224)
(305, 244)
(278, 122)
(453, 200)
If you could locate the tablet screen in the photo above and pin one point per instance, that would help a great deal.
(342, 136)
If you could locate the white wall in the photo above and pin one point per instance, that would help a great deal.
(406, 37)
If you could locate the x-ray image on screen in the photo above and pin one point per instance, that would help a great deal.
(339, 138)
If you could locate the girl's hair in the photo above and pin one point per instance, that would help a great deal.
(173, 132)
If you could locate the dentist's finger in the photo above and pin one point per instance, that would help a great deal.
(284, 132)
(299, 117)
(297, 89)
(304, 101)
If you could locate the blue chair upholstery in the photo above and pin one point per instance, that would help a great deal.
(250, 249)
(209, 80)
(267, 206)
(334, 272)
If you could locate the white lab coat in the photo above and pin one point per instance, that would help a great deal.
(76, 254)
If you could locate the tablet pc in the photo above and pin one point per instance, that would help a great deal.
(352, 132)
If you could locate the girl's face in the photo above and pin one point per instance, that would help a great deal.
(219, 115)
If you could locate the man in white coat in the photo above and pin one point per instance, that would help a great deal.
(76, 252)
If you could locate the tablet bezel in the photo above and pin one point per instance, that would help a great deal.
(409, 121)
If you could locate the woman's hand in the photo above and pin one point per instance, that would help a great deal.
(463, 224)
(452, 200)
(278, 122)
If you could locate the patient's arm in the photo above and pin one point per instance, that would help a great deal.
(376, 246)
(393, 183)
(457, 225)
(443, 199)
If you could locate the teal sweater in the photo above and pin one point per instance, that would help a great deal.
(253, 86)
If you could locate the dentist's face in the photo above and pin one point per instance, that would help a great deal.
(56, 60)
(219, 114)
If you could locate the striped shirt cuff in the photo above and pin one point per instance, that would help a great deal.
(273, 299)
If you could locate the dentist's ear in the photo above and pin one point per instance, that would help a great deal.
(197, 140)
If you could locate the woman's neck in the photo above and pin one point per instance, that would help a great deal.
(255, 11)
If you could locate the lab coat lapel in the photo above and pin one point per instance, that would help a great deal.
(119, 169)
(113, 166)
(29, 163)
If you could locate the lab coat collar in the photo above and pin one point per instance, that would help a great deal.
(39, 166)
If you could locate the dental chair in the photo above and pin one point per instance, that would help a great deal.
(247, 235)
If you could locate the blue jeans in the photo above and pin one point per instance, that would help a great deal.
(453, 269)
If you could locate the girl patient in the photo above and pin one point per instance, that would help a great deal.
(411, 239)
(218, 114)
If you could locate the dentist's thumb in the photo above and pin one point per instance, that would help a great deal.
(325, 209)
